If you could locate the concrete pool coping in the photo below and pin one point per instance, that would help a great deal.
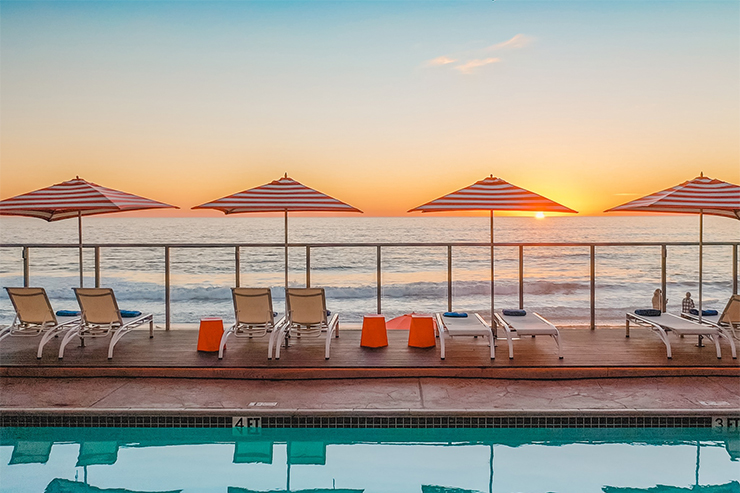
(424, 398)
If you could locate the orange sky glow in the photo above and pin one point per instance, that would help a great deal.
(588, 107)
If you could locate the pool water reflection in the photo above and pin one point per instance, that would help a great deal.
(56, 460)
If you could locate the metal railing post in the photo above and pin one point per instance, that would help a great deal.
(26, 267)
(521, 277)
(734, 268)
(593, 287)
(449, 278)
(97, 266)
(377, 277)
(663, 276)
(237, 267)
(167, 287)
(308, 266)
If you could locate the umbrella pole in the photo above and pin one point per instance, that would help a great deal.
(79, 236)
(701, 256)
(286, 249)
(492, 269)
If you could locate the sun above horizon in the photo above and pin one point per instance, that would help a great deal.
(540, 215)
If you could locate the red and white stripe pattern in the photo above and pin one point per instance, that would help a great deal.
(280, 195)
(492, 194)
(67, 199)
(700, 195)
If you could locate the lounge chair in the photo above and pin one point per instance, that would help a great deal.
(27, 452)
(307, 315)
(728, 319)
(531, 324)
(102, 318)
(253, 452)
(307, 453)
(97, 454)
(667, 322)
(253, 317)
(34, 316)
(475, 326)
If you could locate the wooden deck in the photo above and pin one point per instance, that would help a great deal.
(587, 354)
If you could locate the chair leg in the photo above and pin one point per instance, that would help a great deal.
(71, 334)
(732, 344)
(283, 333)
(117, 335)
(492, 345)
(442, 345)
(557, 341)
(49, 335)
(222, 344)
(664, 337)
(716, 344)
(511, 346)
(270, 343)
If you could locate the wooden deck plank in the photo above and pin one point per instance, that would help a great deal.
(587, 354)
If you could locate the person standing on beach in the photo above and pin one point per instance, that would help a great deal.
(687, 304)
(658, 300)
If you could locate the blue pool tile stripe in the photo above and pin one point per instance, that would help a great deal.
(129, 421)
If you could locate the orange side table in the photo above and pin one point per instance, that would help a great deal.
(373, 331)
(209, 334)
(421, 331)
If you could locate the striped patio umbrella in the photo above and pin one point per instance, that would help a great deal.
(702, 195)
(492, 194)
(283, 195)
(75, 198)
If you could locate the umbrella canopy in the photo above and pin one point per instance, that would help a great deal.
(702, 195)
(492, 194)
(283, 195)
(75, 198)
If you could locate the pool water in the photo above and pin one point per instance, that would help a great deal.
(61, 460)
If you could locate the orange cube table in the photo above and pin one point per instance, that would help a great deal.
(210, 333)
(421, 331)
(373, 331)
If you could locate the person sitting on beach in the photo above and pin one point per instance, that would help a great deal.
(658, 300)
(687, 304)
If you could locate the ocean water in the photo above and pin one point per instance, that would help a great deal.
(556, 279)
(373, 461)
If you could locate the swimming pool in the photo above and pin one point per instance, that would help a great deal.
(451, 460)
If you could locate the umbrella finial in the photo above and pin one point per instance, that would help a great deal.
(286, 175)
(701, 174)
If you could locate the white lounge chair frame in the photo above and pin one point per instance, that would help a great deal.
(102, 318)
(531, 324)
(307, 315)
(34, 316)
(475, 326)
(681, 327)
(253, 317)
(727, 320)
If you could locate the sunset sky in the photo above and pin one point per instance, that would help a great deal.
(382, 104)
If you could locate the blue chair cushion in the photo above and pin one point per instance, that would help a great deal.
(514, 313)
(67, 313)
(649, 312)
(455, 314)
(130, 313)
(704, 313)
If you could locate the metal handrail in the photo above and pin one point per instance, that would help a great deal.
(378, 247)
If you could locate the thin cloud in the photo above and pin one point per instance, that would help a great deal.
(439, 61)
(518, 41)
(470, 66)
